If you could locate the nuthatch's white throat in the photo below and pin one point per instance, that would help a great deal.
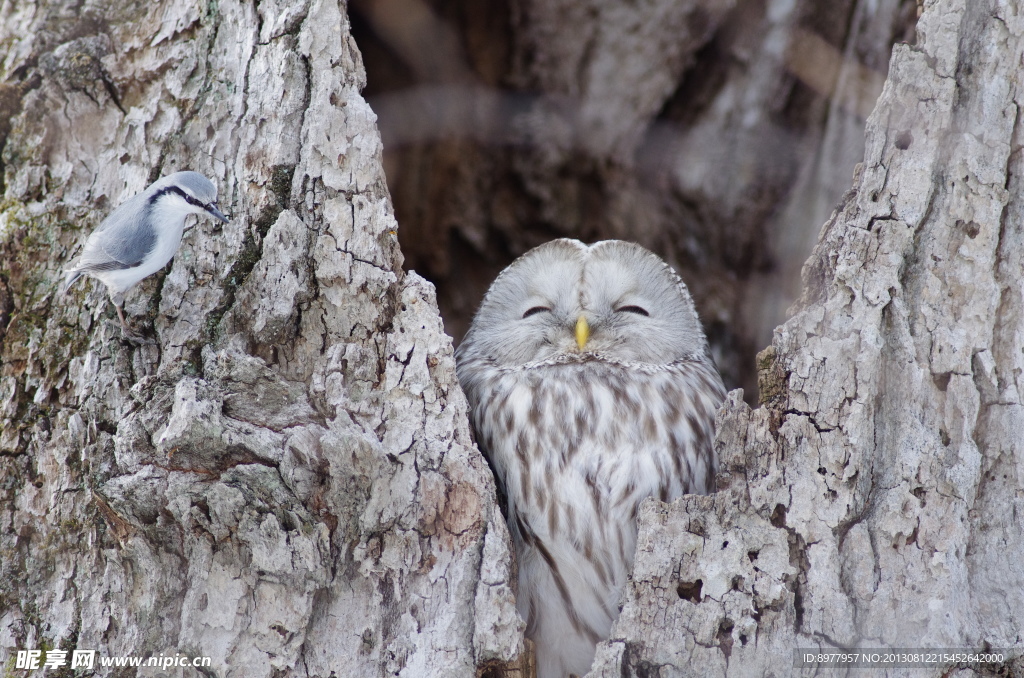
(139, 237)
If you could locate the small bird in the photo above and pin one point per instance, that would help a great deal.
(139, 237)
(591, 387)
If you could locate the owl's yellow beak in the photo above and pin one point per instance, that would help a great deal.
(582, 332)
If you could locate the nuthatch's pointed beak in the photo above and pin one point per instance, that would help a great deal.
(582, 332)
(212, 209)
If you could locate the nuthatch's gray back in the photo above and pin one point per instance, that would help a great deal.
(139, 237)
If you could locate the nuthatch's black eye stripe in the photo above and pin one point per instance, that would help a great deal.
(177, 191)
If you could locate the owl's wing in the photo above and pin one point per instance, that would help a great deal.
(697, 391)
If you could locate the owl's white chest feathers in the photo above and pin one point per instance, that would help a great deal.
(577, 448)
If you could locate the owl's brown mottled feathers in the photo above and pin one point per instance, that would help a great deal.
(591, 387)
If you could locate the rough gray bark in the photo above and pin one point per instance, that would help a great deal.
(286, 481)
(875, 498)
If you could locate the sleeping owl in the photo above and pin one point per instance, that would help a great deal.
(591, 387)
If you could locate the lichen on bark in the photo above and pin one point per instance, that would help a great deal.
(285, 482)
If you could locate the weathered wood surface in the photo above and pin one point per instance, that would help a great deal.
(875, 499)
(286, 482)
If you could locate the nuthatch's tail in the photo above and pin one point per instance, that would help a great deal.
(71, 277)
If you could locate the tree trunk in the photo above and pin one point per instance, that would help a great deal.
(874, 500)
(718, 133)
(286, 482)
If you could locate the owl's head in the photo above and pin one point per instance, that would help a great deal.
(612, 300)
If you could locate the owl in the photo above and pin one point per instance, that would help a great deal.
(591, 387)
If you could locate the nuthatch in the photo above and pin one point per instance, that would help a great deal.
(139, 237)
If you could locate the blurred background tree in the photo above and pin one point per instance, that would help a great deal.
(720, 134)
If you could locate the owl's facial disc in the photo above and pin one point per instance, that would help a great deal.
(611, 301)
